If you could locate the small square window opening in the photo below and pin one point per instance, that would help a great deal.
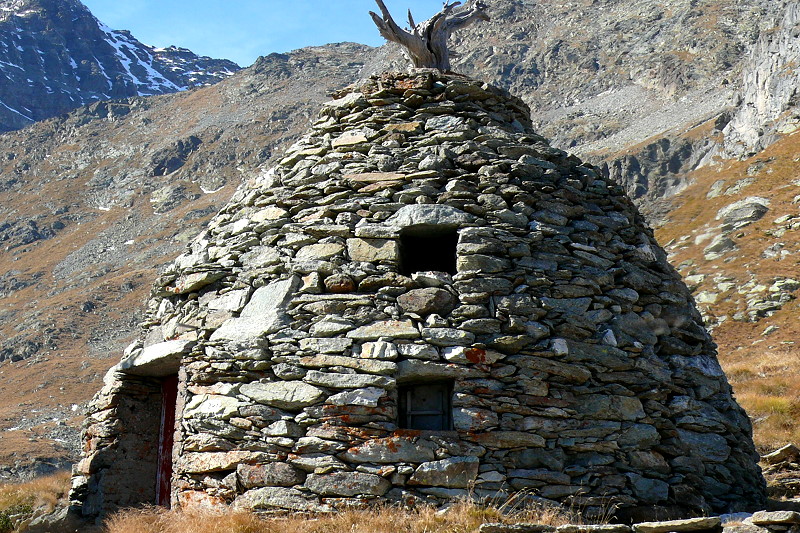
(426, 406)
(429, 249)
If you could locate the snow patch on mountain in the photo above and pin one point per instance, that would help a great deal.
(131, 54)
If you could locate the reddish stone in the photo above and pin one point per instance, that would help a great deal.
(339, 284)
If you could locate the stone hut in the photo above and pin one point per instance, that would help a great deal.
(422, 301)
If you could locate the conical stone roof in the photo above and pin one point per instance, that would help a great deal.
(424, 300)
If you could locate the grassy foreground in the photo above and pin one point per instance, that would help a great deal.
(19, 501)
(462, 517)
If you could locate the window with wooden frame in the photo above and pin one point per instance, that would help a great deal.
(426, 406)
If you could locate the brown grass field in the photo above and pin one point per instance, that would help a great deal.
(460, 518)
(44, 494)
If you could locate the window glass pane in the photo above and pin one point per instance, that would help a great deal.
(427, 398)
(430, 422)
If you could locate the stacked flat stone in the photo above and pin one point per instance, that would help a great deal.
(580, 368)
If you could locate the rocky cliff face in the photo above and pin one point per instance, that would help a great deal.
(55, 56)
(767, 100)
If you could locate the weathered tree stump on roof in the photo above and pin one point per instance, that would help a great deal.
(426, 43)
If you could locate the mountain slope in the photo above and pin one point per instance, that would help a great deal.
(93, 202)
(734, 235)
(56, 56)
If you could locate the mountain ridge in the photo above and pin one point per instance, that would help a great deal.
(56, 56)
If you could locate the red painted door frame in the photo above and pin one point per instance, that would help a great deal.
(166, 438)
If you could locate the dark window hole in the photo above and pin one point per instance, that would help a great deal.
(428, 250)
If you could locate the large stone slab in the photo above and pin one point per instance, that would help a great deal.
(482, 263)
(316, 462)
(415, 369)
(349, 381)
(427, 300)
(331, 326)
(474, 419)
(571, 373)
(319, 252)
(233, 301)
(744, 212)
(264, 314)
(679, 526)
(260, 257)
(540, 474)
(766, 518)
(790, 452)
(279, 498)
(448, 336)
(212, 406)
(291, 395)
(391, 450)
(428, 215)
(710, 446)
(386, 329)
(196, 280)
(610, 407)
(369, 366)
(269, 475)
(379, 350)
(608, 356)
(201, 462)
(647, 489)
(326, 345)
(368, 397)
(156, 360)
(515, 528)
(594, 528)
(454, 473)
(348, 484)
(373, 250)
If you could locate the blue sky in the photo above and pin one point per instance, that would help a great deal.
(242, 30)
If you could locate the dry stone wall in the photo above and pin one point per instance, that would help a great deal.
(576, 365)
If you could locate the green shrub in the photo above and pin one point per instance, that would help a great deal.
(7, 524)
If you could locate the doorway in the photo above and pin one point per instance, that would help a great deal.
(166, 440)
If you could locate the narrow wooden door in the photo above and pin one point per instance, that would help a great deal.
(166, 438)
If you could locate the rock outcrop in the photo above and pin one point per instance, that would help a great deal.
(767, 101)
(423, 300)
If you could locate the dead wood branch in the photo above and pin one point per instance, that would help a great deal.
(426, 43)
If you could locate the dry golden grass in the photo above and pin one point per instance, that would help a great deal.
(767, 385)
(43, 492)
(21, 501)
(463, 517)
